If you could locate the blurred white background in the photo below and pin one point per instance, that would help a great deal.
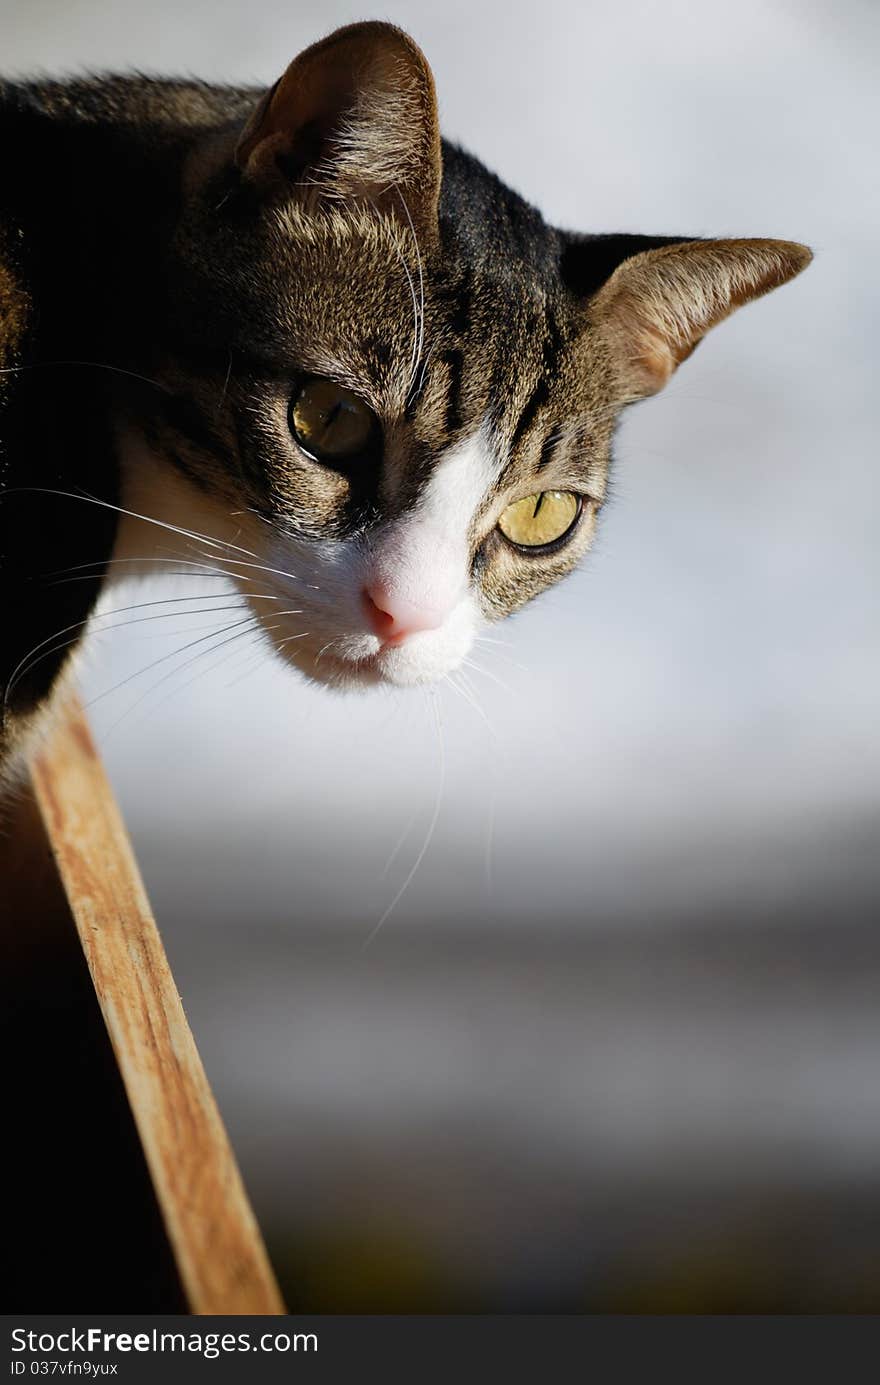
(633, 983)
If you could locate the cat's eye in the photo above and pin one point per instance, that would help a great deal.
(540, 521)
(331, 423)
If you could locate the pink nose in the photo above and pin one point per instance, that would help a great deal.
(394, 619)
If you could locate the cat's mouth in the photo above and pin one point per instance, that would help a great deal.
(358, 661)
(399, 667)
(340, 672)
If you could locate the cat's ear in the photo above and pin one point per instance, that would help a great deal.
(354, 118)
(657, 305)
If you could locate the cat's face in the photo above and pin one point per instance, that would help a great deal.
(426, 443)
(390, 380)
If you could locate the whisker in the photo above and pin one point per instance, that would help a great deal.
(74, 639)
(133, 514)
(323, 650)
(467, 692)
(165, 657)
(478, 668)
(260, 567)
(171, 572)
(25, 665)
(171, 672)
(111, 562)
(502, 645)
(91, 365)
(441, 781)
(251, 667)
(414, 394)
(485, 639)
(414, 361)
(397, 849)
(107, 563)
(499, 751)
(420, 315)
(225, 387)
(250, 510)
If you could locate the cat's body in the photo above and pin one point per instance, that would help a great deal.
(297, 324)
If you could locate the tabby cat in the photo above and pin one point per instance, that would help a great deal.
(295, 338)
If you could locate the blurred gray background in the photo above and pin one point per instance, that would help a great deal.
(618, 1042)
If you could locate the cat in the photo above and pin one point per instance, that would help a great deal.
(295, 339)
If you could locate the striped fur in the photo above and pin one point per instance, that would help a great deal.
(193, 252)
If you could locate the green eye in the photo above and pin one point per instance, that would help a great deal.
(330, 422)
(540, 520)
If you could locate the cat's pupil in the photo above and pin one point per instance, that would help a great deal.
(330, 422)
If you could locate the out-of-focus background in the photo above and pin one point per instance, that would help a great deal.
(617, 1045)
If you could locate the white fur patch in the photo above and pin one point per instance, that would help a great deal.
(310, 595)
(425, 555)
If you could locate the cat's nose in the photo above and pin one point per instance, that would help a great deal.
(394, 619)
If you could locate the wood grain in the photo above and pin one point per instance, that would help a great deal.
(212, 1230)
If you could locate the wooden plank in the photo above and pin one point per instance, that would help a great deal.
(212, 1230)
(72, 1157)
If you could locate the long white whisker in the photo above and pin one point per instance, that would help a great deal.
(204, 568)
(420, 314)
(441, 781)
(499, 749)
(395, 852)
(514, 663)
(414, 394)
(251, 667)
(323, 650)
(133, 514)
(171, 572)
(412, 288)
(201, 673)
(165, 657)
(478, 668)
(170, 674)
(25, 665)
(225, 387)
(90, 365)
(260, 567)
(485, 639)
(465, 690)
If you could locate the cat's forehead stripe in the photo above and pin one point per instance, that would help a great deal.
(551, 349)
(454, 362)
(548, 450)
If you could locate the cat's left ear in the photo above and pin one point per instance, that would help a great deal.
(354, 118)
(658, 305)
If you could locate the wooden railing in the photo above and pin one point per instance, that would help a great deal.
(213, 1235)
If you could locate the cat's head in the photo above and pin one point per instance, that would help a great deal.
(398, 381)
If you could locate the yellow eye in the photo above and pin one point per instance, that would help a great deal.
(330, 422)
(539, 520)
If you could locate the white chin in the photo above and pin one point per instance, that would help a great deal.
(407, 666)
(386, 667)
(357, 660)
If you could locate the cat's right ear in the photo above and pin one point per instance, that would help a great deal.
(353, 119)
(659, 303)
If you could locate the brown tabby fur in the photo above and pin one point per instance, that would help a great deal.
(192, 252)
